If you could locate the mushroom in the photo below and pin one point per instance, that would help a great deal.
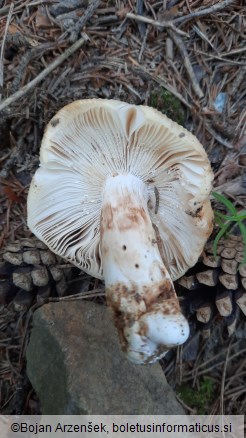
(122, 192)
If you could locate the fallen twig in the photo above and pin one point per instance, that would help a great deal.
(208, 361)
(217, 137)
(25, 60)
(5, 9)
(241, 75)
(11, 160)
(184, 54)
(212, 367)
(161, 81)
(143, 43)
(141, 26)
(201, 12)
(188, 408)
(3, 45)
(141, 71)
(24, 90)
(100, 292)
(161, 24)
(223, 380)
(74, 31)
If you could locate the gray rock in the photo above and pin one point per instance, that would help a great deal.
(76, 367)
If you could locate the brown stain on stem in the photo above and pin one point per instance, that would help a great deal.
(159, 299)
(124, 217)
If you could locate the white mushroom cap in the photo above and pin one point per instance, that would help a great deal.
(91, 140)
(123, 193)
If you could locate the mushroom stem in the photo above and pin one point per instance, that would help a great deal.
(138, 286)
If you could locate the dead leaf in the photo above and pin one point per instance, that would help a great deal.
(42, 19)
(169, 14)
(13, 29)
(10, 194)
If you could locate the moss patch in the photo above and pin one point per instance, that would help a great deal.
(201, 399)
(168, 104)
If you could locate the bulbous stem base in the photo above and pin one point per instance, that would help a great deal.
(139, 288)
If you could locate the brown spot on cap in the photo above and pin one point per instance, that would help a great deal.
(197, 213)
(54, 122)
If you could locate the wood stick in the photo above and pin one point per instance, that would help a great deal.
(3, 46)
(217, 137)
(184, 55)
(161, 24)
(74, 31)
(222, 388)
(25, 60)
(201, 12)
(142, 71)
(141, 26)
(59, 60)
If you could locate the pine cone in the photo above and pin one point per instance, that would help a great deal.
(31, 272)
(217, 284)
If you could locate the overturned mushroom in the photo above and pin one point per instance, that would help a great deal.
(122, 192)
